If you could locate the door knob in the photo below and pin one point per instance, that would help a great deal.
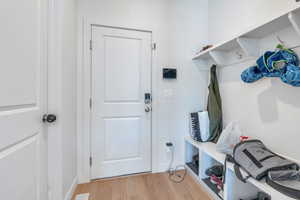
(49, 118)
(148, 101)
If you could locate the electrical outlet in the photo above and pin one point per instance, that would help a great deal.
(169, 145)
(168, 150)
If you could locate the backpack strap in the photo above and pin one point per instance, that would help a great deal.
(228, 158)
(237, 169)
(238, 173)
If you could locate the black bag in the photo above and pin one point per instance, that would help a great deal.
(261, 196)
(286, 182)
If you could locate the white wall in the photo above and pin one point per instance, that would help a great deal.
(62, 72)
(187, 30)
(267, 109)
(178, 29)
(228, 18)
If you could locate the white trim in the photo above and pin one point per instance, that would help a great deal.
(84, 196)
(55, 189)
(83, 91)
(71, 191)
(155, 94)
(54, 180)
(43, 142)
(55, 152)
(83, 116)
(79, 98)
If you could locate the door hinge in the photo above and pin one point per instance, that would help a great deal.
(91, 45)
(91, 103)
(153, 46)
(91, 161)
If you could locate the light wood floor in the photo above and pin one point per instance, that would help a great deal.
(143, 187)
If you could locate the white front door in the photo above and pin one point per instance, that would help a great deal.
(23, 160)
(121, 121)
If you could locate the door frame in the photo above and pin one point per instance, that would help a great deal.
(84, 94)
(54, 138)
(54, 55)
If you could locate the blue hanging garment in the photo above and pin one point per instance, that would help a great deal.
(283, 63)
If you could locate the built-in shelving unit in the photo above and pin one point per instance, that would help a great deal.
(234, 189)
(245, 46)
(252, 43)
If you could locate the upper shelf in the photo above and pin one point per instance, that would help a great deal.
(225, 46)
(247, 44)
(279, 23)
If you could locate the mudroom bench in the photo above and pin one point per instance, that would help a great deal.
(233, 189)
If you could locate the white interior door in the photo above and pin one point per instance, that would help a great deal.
(121, 127)
(23, 169)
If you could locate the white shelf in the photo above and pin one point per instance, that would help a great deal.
(210, 149)
(263, 186)
(271, 27)
(225, 46)
(203, 55)
(247, 44)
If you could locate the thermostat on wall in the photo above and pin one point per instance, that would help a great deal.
(169, 73)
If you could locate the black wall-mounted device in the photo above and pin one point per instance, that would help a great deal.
(148, 98)
(169, 73)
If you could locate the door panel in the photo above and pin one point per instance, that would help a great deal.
(18, 124)
(22, 160)
(129, 142)
(121, 82)
(22, 101)
(121, 129)
(19, 45)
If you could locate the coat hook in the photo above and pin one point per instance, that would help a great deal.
(280, 40)
(240, 56)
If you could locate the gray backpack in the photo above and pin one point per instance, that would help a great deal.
(255, 159)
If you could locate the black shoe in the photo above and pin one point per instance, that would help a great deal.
(216, 170)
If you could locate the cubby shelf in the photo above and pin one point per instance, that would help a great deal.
(252, 185)
(247, 45)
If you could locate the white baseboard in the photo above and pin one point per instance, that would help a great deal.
(163, 167)
(82, 196)
(71, 191)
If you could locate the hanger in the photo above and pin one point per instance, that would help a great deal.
(283, 43)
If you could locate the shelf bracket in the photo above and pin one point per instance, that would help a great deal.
(295, 21)
(249, 46)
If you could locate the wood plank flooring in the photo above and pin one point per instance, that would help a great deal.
(143, 187)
